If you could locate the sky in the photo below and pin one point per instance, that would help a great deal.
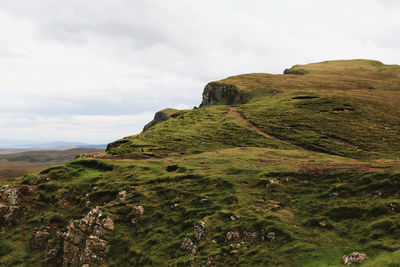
(96, 71)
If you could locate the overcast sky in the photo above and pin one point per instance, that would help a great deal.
(95, 71)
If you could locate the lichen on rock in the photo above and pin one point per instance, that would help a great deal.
(82, 243)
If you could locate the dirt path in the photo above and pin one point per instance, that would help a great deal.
(233, 113)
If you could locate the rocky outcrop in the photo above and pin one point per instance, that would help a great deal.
(296, 71)
(13, 200)
(160, 116)
(81, 244)
(227, 94)
(39, 239)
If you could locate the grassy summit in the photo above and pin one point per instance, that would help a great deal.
(302, 169)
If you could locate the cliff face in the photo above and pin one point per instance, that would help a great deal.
(160, 116)
(227, 94)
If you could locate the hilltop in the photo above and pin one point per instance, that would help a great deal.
(296, 169)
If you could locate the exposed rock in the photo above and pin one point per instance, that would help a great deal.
(354, 257)
(108, 223)
(237, 246)
(175, 205)
(296, 71)
(94, 251)
(194, 249)
(232, 235)
(204, 199)
(392, 206)
(322, 223)
(235, 217)
(211, 261)
(270, 236)
(39, 239)
(160, 116)
(9, 214)
(251, 235)
(218, 93)
(54, 251)
(187, 244)
(12, 202)
(189, 261)
(121, 196)
(81, 244)
(273, 181)
(16, 194)
(200, 230)
(137, 212)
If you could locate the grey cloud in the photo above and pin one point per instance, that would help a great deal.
(119, 58)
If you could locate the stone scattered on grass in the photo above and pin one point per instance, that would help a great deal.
(121, 196)
(235, 217)
(354, 257)
(232, 235)
(187, 244)
(322, 223)
(200, 230)
(204, 199)
(137, 212)
(271, 236)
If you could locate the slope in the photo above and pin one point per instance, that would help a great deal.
(348, 108)
(270, 171)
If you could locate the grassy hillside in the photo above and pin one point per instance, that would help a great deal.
(303, 173)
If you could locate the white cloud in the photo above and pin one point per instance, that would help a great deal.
(116, 58)
(90, 128)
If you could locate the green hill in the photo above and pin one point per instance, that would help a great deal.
(296, 169)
